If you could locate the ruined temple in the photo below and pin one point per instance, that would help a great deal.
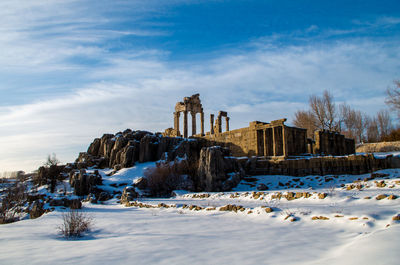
(272, 140)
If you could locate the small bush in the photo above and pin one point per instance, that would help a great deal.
(12, 202)
(75, 223)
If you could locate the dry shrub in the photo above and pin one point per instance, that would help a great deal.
(162, 179)
(75, 223)
(166, 177)
(12, 202)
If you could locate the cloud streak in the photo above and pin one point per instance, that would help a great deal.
(106, 90)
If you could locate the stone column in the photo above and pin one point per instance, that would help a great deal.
(212, 123)
(219, 124)
(273, 141)
(284, 141)
(193, 123)
(176, 123)
(227, 123)
(265, 142)
(185, 124)
(202, 122)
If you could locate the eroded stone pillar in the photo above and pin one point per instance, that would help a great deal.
(202, 122)
(193, 123)
(219, 124)
(227, 123)
(185, 124)
(212, 123)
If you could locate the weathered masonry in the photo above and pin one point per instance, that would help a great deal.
(274, 139)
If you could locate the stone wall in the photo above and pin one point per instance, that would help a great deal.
(352, 164)
(241, 142)
(260, 139)
(333, 143)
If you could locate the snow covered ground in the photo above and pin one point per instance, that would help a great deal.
(337, 220)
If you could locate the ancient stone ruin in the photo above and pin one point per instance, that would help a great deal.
(272, 140)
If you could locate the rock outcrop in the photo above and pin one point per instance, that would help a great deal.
(84, 183)
(217, 170)
(125, 148)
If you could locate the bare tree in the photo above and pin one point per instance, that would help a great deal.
(372, 130)
(51, 160)
(393, 96)
(359, 125)
(324, 110)
(330, 110)
(347, 120)
(318, 109)
(307, 120)
(384, 123)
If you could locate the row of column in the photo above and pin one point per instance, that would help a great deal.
(185, 123)
(218, 124)
(275, 139)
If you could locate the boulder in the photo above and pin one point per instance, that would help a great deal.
(128, 194)
(141, 183)
(37, 209)
(104, 196)
(262, 186)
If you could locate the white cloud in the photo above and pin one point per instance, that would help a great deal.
(139, 88)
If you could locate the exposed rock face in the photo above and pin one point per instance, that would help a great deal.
(217, 171)
(84, 183)
(124, 149)
(188, 149)
(129, 194)
(94, 147)
(166, 146)
(148, 148)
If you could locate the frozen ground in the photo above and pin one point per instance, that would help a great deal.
(359, 228)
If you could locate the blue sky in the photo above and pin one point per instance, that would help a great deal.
(72, 70)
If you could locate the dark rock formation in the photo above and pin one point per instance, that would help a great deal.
(84, 183)
(218, 171)
(148, 148)
(48, 175)
(73, 203)
(188, 149)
